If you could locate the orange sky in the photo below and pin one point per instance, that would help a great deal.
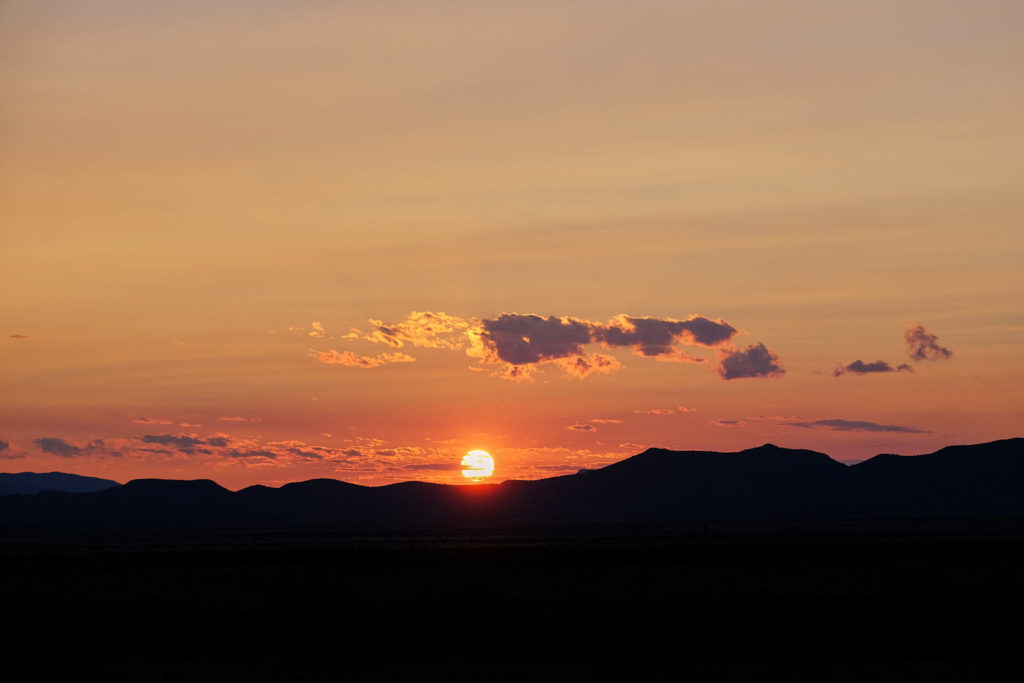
(200, 201)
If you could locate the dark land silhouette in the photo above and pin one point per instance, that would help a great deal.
(764, 565)
(34, 482)
(767, 482)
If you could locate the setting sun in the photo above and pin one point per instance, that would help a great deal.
(477, 465)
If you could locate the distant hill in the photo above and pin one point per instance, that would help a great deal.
(34, 482)
(656, 485)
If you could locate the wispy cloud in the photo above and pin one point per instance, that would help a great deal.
(334, 357)
(239, 419)
(853, 426)
(582, 427)
(19, 336)
(424, 329)
(151, 421)
(53, 445)
(923, 345)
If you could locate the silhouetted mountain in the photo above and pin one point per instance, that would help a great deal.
(657, 484)
(34, 482)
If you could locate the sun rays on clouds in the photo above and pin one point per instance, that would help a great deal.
(516, 346)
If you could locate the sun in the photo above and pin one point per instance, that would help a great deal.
(477, 465)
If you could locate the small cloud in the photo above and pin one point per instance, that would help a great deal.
(684, 409)
(606, 421)
(425, 329)
(239, 419)
(859, 367)
(334, 357)
(582, 428)
(4, 446)
(755, 361)
(581, 366)
(728, 423)
(318, 331)
(189, 443)
(656, 411)
(326, 435)
(150, 421)
(19, 336)
(65, 449)
(189, 424)
(853, 426)
(923, 345)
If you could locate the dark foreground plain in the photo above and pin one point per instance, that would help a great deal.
(927, 599)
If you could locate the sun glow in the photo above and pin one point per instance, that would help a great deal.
(477, 465)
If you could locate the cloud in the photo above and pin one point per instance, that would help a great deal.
(606, 421)
(65, 449)
(421, 328)
(150, 421)
(923, 345)
(582, 428)
(239, 419)
(755, 361)
(853, 426)
(186, 443)
(518, 344)
(684, 409)
(581, 366)
(728, 423)
(19, 336)
(521, 339)
(527, 339)
(334, 357)
(656, 411)
(658, 337)
(318, 331)
(4, 445)
(859, 367)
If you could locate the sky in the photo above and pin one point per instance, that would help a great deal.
(262, 242)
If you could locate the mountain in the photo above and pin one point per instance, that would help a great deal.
(656, 485)
(34, 482)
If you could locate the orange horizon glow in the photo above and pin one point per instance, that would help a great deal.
(358, 240)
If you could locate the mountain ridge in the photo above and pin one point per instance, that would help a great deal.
(766, 481)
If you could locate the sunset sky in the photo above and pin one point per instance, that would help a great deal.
(262, 242)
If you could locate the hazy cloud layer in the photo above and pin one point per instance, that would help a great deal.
(853, 426)
(859, 367)
(755, 361)
(923, 345)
